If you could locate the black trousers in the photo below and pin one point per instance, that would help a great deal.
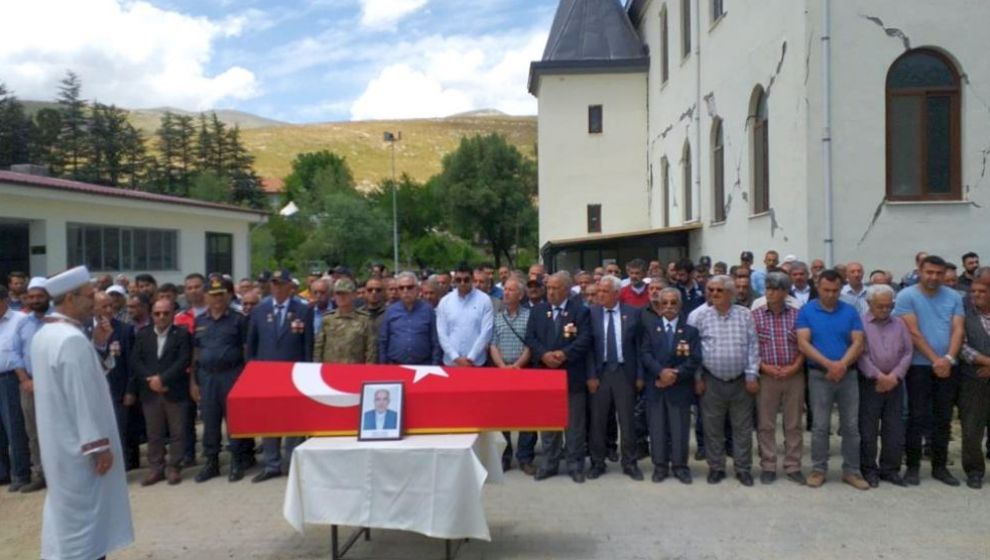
(880, 415)
(214, 388)
(930, 400)
(974, 413)
(614, 390)
(670, 432)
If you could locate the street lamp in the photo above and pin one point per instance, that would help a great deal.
(392, 139)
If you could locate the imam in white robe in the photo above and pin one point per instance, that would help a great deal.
(86, 516)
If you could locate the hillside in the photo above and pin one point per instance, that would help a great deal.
(419, 153)
(147, 120)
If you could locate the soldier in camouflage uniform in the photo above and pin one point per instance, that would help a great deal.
(347, 335)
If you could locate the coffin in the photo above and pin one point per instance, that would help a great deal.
(308, 399)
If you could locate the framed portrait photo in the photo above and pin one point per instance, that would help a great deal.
(382, 403)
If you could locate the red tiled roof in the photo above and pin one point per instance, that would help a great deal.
(272, 185)
(117, 192)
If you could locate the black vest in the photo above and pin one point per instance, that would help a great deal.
(977, 338)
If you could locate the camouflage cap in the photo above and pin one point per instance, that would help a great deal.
(343, 286)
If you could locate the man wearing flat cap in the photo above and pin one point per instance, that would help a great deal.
(279, 331)
(347, 335)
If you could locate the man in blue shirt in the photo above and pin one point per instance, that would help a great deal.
(36, 301)
(830, 335)
(408, 333)
(934, 316)
(15, 461)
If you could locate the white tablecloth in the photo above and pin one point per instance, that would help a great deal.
(425, 484)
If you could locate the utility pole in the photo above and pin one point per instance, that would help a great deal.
(392, 139)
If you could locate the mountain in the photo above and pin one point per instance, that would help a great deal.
(419, 153)
(147, 120)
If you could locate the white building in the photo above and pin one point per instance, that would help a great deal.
(844, 129)
(48, 225)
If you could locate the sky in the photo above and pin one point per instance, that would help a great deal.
(291, 60)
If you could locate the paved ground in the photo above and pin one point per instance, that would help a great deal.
(611, 518)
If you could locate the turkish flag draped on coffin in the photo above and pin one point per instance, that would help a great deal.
(292, 399)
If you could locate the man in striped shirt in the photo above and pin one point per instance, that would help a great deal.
(729, 379)
(782, 380)
(508, 350)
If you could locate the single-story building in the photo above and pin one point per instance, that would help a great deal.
(48, 225)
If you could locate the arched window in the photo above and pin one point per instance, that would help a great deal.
(923, 129)
(718, 171)
(686, 178)
(665, 181)
(760, 152)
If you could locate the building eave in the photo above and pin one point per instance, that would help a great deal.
(563, 67)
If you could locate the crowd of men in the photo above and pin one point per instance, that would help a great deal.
(741, 346)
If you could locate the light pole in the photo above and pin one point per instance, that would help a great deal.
(392, 139)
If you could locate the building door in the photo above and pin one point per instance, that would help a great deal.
(15, 248)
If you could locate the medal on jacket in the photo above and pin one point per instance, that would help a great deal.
(570, 329)
(682, 348)
(115, 348)
(270, 318)
(298, 326)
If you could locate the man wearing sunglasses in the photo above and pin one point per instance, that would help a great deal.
(465, 319)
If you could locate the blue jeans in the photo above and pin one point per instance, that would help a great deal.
(15, 462)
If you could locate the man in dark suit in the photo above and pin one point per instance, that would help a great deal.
(159, 365)
(389, 418)
(670, 351)
(280, 329)
(113, 340)
(559, 335)
(613, 366)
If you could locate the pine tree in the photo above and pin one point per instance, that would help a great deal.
(167, 173)
(73, 139)
(246, 183)
(15, 130)
(46, 129)
(135, 162)
(107, 129)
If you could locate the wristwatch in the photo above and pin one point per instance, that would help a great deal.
(951, 358)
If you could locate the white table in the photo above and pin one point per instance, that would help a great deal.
(425, 484)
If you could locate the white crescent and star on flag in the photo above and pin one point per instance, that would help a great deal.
(308, 380)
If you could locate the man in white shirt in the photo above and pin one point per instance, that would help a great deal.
(465, 319)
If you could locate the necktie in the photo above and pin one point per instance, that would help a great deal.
(611, 348)
(278, 314)
(556, 312)
(670, 337)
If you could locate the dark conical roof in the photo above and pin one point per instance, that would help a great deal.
(590, 36)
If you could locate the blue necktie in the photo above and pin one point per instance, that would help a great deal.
(281, 317)
(611, 348)
(670, 337)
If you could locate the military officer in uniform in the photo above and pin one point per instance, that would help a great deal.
(219, 338)
(347, 335)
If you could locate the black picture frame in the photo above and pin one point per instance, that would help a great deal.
(395, 405)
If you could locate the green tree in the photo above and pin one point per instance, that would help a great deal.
(168, 175)
(15, 130)
(331, 168)
(107, 137)
(346, 229)
(210, 187)
(246, 184)
(419, 210)
(44, 138)
(488, 188)
(73, 139)
(135, 163)
(441, 251)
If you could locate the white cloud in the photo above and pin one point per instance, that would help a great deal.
(385, 14)
(439, 76)
(129, 53)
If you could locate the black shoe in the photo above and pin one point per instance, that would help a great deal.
(974, 481)
(577, 476)
(911, 476)
(714, 477)
(613, 456)
(263, 476)
(659, 475)
(543, 474)
(596, 471)
(236, 473)
(506, 464)
(633, 472)
(797, 477)
(684, 476)
(768, 477)
(945, 476)
(892, 478)
(35, 485)
(873, 479)
(745, 478)
(16, 486)
(699, 455)
(210, 470)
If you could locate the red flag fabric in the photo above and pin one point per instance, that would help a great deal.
(296, 399)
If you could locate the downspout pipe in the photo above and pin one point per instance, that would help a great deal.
(827, 128)
(696, 207)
